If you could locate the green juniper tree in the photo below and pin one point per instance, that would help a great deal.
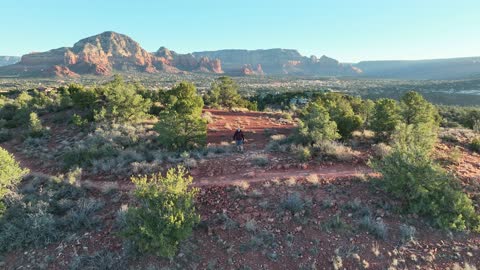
(385, 118)
(410, 173)
(10, 174)
(165, 214)
(315, 125)
(35, 126)
(180, 125)
(415, 110)
(224, 93)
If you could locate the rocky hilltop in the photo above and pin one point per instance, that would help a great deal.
(101, 55)
(8, 60)
(277, 62)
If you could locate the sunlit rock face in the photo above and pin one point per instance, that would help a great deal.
(277, 61)
(188, 62)
(105, 53)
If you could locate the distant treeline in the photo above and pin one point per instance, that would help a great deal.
(452, 115)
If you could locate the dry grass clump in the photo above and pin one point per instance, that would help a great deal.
(207, 116)
(291, 181)
(365, 137)
(381, 150)
(335, 150)
(244, 185)
(455, 135)
(301, 153)
(278, 137)
(467, 266)
(238, 109)
(313, 179)
(260, 160)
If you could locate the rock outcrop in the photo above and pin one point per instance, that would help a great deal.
(105, 53)
(277, 62)
(249, 70)
(188, 62)
(60, 71)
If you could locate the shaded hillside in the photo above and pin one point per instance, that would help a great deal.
(8, 60)
(454, 68)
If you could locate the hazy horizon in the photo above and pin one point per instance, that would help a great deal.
(349, 32)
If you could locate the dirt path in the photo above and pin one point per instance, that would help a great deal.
(257, 127)
(250, 176)
(333, 171)
(255, 176)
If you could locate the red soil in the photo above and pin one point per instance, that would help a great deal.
(254, 125)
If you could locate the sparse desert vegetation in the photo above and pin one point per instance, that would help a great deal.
(115, 176)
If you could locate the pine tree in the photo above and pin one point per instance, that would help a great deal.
(386, 117)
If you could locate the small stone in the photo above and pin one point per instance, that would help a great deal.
(356, 256)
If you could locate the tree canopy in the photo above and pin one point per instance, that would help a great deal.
(315, 125)
(180, 125)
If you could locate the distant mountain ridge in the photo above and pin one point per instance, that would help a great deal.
(110, 52)
(279, 61)
(8, 60)
(435, 69)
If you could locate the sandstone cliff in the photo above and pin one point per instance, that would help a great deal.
(277, 61)
(105, 53)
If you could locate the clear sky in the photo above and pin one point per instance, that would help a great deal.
(348, 30)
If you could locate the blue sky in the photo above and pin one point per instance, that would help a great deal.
(348, 30)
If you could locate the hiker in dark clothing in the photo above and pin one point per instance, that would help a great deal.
(239, 139)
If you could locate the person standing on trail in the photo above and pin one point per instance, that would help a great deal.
(239, 139)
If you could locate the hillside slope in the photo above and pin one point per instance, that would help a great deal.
(436, 69)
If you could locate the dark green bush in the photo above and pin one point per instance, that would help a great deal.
(35, 128)
(104, 260)
(315, 125)
(181, 132)
(165, 214)
(5, 135)
(428, 191)
(46, 210)
(224, 93)
(181, 126)
(340, 109)
(10, 174)
(78, 121)
(85, 155)
(475, 145)
(386, 117)
(293, 203)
